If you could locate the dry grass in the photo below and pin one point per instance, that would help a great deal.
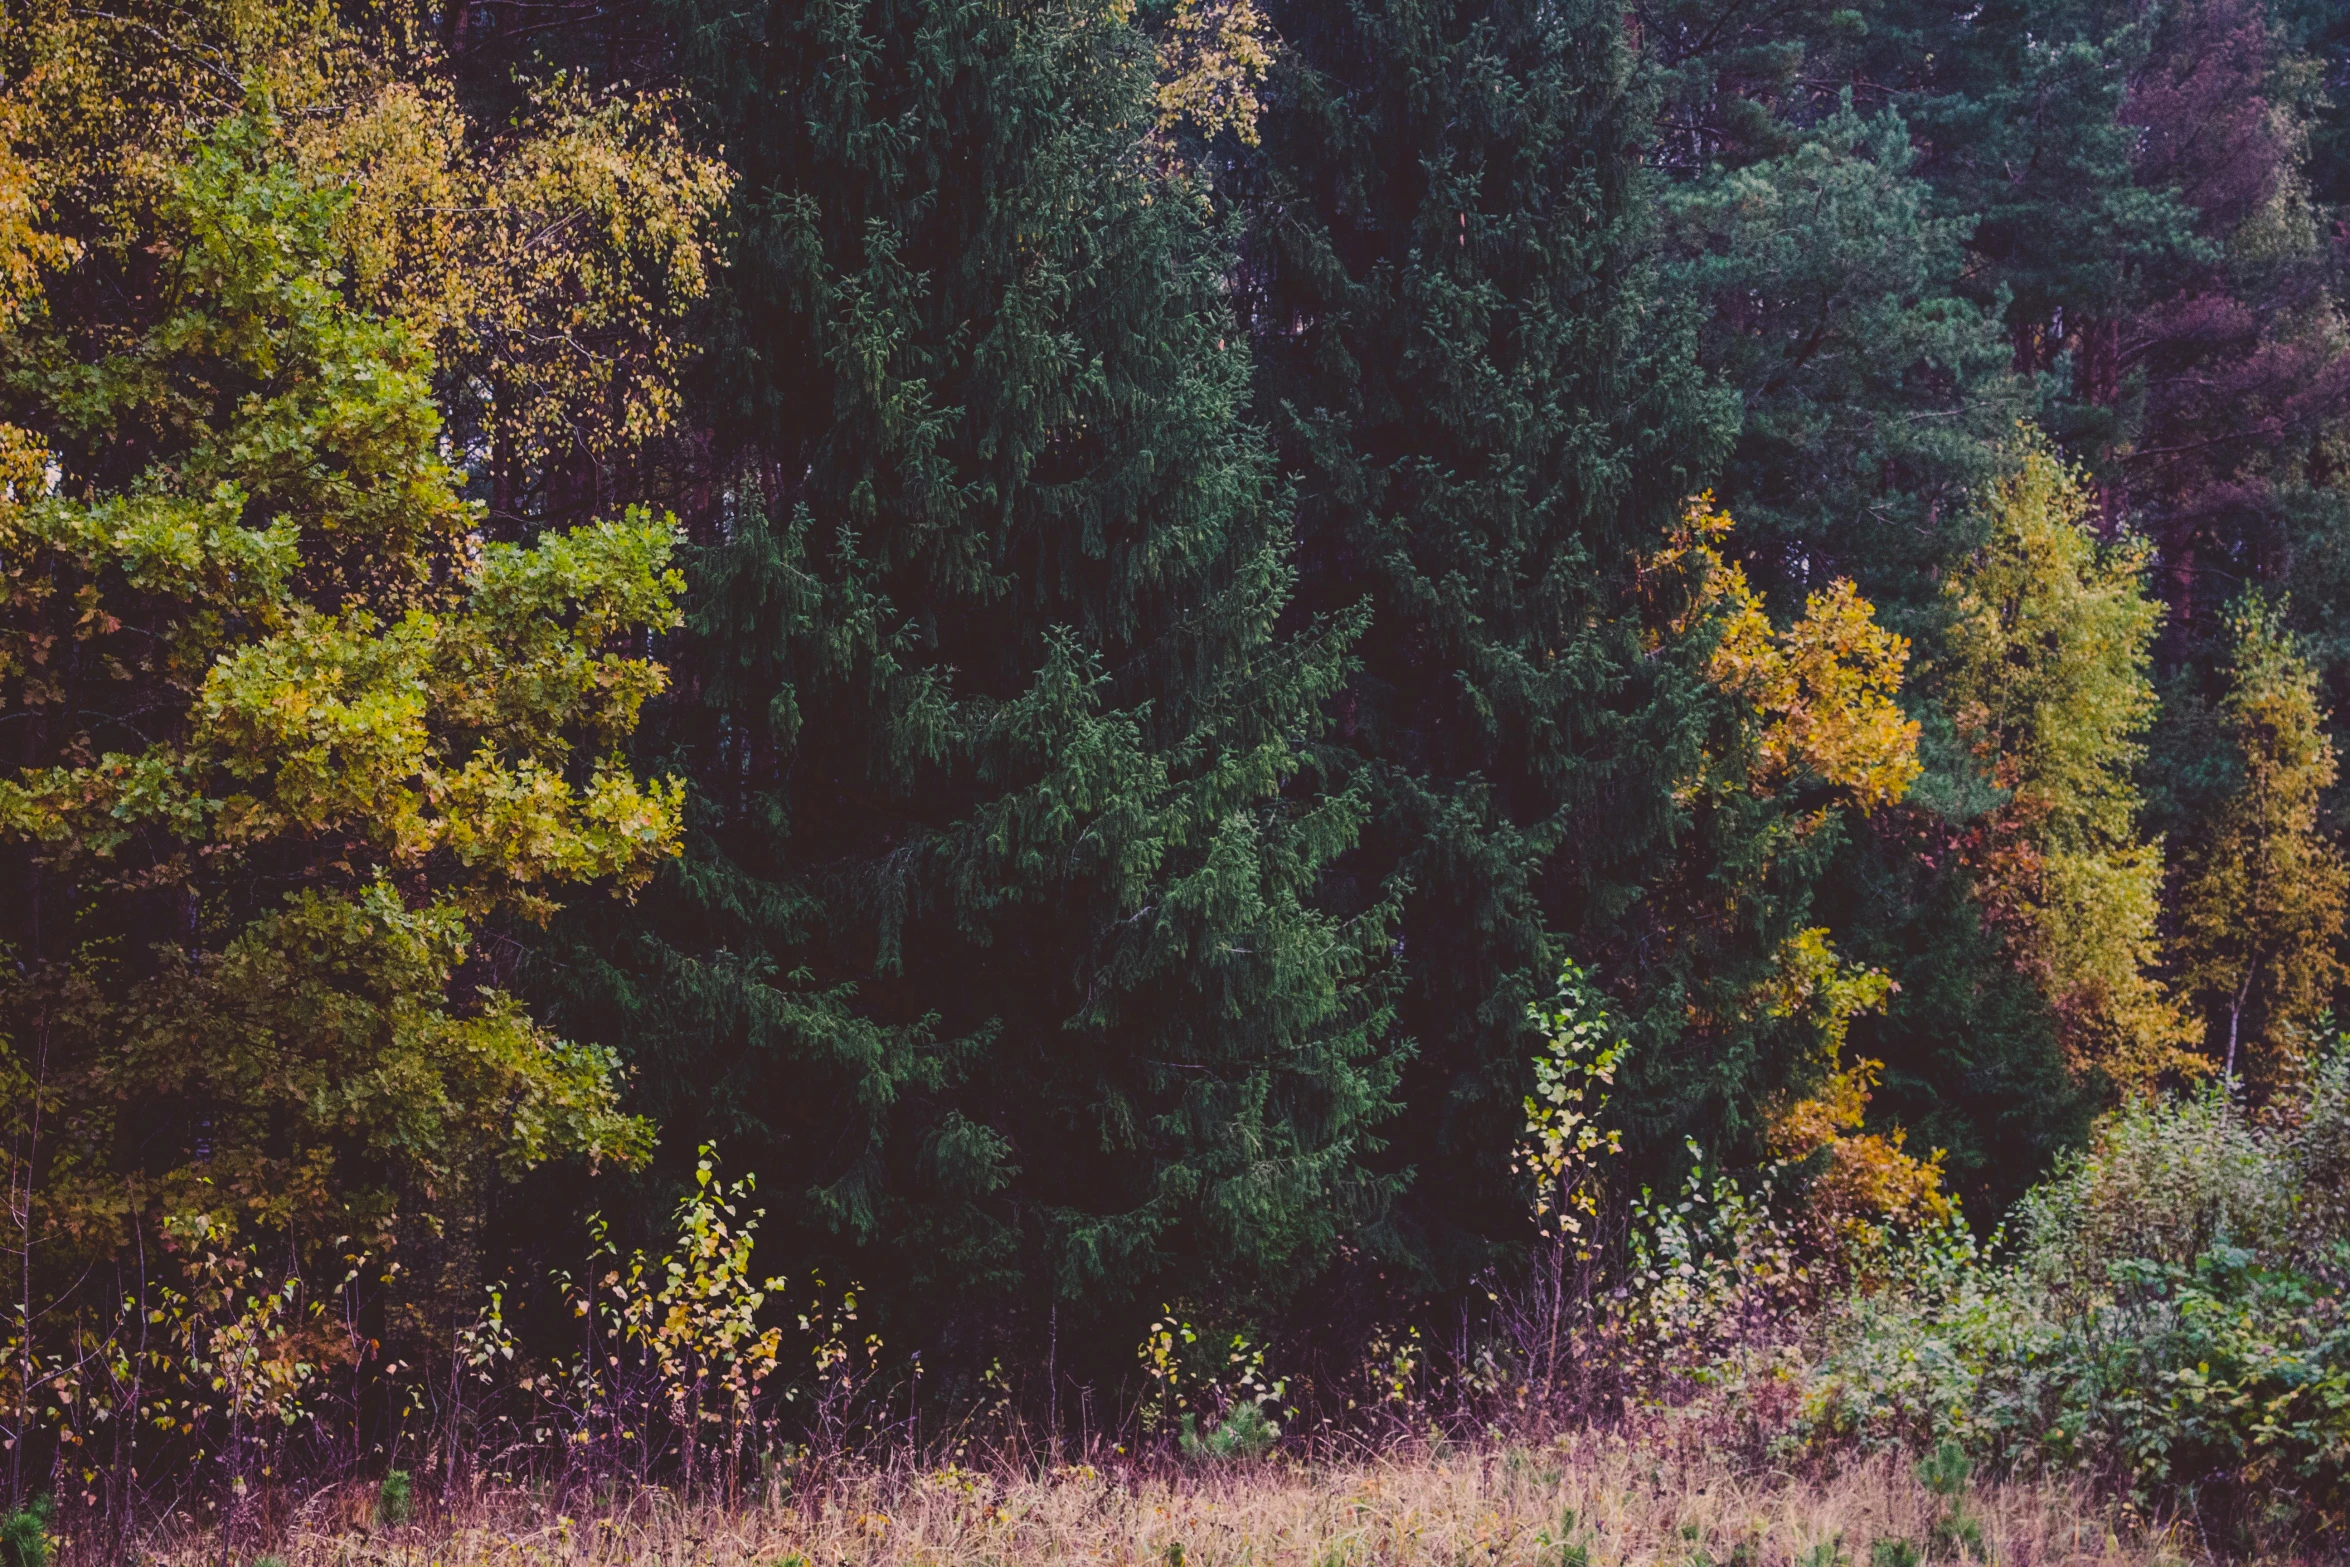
(1503, 1507)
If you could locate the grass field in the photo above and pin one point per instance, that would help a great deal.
(1596, 1501)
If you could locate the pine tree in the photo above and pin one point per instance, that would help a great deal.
(1494, 420)
(1875, 395)
(993, 945)
(2233, 400)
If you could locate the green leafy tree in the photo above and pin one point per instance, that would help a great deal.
(282, 733)
(545, 249)
(2261, 911)
(993, 944)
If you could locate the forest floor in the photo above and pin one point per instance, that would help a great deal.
(1577, 1502)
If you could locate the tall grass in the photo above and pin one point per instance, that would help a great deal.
(1584, 1500)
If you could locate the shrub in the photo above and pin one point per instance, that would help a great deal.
(395, 1501)
(2162, 1183)
(2172, 1322)
(24, 1534)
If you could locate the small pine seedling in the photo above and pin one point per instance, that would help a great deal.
(1827, 1553)
(1572, 1551)
(24, 1534)
(1957, 1530)
(395, 1499)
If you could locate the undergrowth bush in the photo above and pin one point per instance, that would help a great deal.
(2164, 1322)
(24, 1534)
(2169, 1319)
(2164, 1317)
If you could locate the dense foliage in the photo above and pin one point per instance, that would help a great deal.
(1044, 628)
(2170, 1319)
(998, 943)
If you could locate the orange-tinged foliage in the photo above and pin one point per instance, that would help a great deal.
(1870, 1177)
(24, 248)
(1822, 706)
(1824, 693)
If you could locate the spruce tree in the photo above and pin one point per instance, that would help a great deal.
(992, 951)
(1493, 419)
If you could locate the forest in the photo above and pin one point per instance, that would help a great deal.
(800, 761)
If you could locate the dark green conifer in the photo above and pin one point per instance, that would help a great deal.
(993, 951)
(1876, 397)
(1493, 418)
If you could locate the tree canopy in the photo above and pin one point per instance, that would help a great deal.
(1046, 628)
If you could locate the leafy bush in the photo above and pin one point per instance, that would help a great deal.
(2171, 1321)
(2164, 1183)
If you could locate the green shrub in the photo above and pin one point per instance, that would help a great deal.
(24, 1534)
(2163, 1183)
(2172, 1324)
(395, 1499)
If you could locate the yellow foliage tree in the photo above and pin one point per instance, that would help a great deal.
(2045, 676)
(1822, 714)
(1868, 1178)
(547, 265)
(1213, 56)
(2262, 911)
(287, 730)
(290, 719)
(24, 248)
(548, 268)
(1823, 694)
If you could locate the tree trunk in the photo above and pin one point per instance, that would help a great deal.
(2235, 1022)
